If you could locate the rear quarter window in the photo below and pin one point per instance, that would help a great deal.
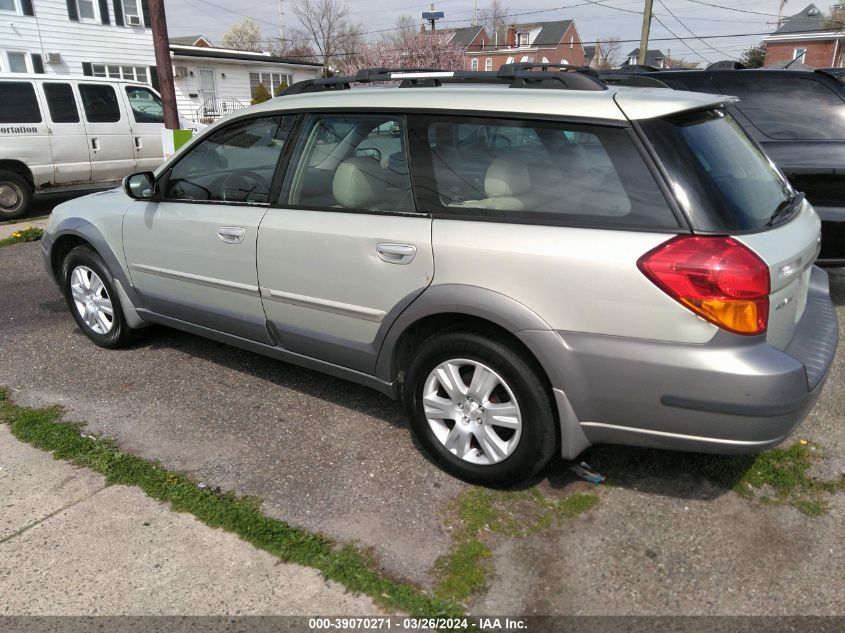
(534, 172)
(788, 108)
(18, 103)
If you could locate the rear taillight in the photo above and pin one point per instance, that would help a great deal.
(715, 277)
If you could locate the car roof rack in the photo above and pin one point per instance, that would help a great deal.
(521, 75)
(633, 81)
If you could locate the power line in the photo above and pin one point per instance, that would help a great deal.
(716, 50)
(720, 6)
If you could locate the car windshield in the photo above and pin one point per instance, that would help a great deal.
(718, 174)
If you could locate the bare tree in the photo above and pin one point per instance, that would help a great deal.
(244, 36)
(327, 22)
(297, 47)
(607, 51)
(494, 17)
(406, 25)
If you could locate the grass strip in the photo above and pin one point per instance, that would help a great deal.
(478, 515)
(348, 565)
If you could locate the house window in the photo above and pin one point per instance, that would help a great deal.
(16, 62)
(129, 73)
(522, 39)
(509, 60)
(272, 81)
(8, 5)
(131, 13)
(800, 54)
(571, 42)
(488, 63)
(87, 10)
(482, 43)
(473, 64)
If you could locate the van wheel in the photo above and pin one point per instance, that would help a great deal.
(15, 195)
(479, 409)
(90, 294)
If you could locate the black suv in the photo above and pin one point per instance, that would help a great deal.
(798, 116)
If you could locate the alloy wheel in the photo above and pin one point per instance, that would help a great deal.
(92, 300)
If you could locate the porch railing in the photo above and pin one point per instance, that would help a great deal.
(216, 107)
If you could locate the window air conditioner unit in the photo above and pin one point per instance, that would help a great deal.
(180, 71)
(54, 58)
(133, 20)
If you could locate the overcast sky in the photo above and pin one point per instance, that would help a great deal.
(594, 19)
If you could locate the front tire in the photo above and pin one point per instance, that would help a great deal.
(92, 299)
(479, 409)
(15, 196)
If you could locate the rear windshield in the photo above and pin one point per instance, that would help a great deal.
(719, 175)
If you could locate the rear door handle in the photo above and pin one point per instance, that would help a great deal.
(231, 234)
(396, 253)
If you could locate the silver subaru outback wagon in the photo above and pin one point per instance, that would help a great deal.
(531, 261)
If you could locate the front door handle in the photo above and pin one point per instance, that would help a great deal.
(396, 253)
(231, 234)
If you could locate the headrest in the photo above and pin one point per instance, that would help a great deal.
(358, 182)
(507, 177)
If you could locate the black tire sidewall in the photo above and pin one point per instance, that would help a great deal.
(26, 195)
(84, 256)
(538, 440)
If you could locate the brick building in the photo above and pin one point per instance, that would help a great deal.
(555, 42)
(808, 37)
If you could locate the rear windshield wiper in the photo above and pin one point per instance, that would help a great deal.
(785, 207)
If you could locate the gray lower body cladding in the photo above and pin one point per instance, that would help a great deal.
(734, 394)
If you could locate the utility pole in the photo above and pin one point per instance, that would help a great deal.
(164, 65)
(646, 29)
(281, 25)
(433, 20)
(780, 12)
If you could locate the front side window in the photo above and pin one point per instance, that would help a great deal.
(722, 178)
(535, 171)
(60, 103)
(788, 108)
(356, 162)
(233, 164)
(146, 105)
(18, 103)
(100, 103)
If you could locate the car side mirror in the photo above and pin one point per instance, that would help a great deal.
(140, 186)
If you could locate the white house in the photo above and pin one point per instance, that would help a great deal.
(105, 38)
(112, 38)
(212, 81)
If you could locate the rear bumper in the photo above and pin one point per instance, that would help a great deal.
(734, 394)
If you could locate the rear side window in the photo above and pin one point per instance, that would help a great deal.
(788, 108)
(100, 103)
(535, 171)
(146, 105)
(721, 177)
(18, 103)
(61, 103)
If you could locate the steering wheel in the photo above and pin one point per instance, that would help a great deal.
(240, 185)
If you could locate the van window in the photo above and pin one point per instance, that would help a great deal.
(146, 105)
(18, 103)
(233, 164)
(100, 103)
(535, 172)
(61, 103)
(788, 108)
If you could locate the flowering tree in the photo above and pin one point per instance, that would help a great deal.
(412, 49)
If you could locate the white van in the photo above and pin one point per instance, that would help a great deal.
(62, 133)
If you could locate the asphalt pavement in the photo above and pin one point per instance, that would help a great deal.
(337, 458)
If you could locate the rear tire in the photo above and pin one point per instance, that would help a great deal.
(93, 301)
(494, 425)
(15, 196)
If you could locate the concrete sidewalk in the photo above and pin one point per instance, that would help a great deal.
(70, 545)
(7, 229)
